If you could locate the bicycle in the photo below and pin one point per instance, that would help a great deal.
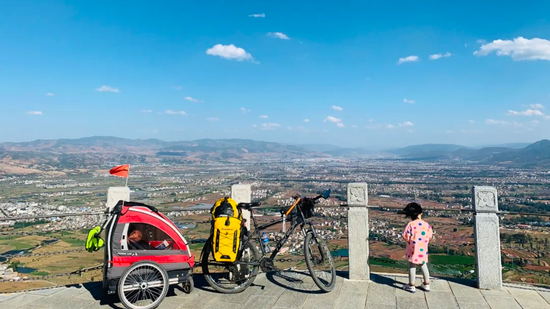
(235, 277)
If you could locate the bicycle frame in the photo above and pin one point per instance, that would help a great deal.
(301, 220)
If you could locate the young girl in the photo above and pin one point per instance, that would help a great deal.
(417, 234)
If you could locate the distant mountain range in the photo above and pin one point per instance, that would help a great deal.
(90, 152)
(532, 155)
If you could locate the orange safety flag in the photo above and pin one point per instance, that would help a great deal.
(121, 170)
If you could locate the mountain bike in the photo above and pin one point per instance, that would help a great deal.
(235, 277)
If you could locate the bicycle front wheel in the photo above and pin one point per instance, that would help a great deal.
(319, 262)
(227, 277)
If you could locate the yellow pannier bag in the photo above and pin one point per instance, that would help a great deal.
(226, 230)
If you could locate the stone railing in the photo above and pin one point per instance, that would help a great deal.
(486, 230)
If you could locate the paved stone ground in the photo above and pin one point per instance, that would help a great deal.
(275, 291)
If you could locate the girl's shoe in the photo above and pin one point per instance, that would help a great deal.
(409, 288)
(425, 287)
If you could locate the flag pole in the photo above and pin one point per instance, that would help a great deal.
(128, 175)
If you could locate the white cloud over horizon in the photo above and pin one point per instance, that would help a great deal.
(536, 106)
(171, 112)
(261, 15)
(409, 101)
(230, 52)
(270, 126)
(34, 113)
(502, 122)
(146, 111)
(527, 112)
(191, 99)
(337, 108)
(49, 94)
(519, 49)
(412, 58)
(245, 110)
(335, 120)
(306, 120)
(332, 119)
(278, 35)
(106, 88)
(406, 124)
(438, 56)
(263, 116)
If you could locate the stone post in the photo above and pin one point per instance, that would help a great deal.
(115, 194)
(358, 232)
(242, 194)
(487, 238)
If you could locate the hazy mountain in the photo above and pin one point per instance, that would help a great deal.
(533, 155)
(536, 154)
(97, 151)
(427, 151)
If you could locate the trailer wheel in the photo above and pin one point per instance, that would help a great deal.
(188, 285)
(143, 285)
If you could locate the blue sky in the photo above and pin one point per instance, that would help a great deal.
(349, 73)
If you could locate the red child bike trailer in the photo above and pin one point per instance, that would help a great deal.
(145, 253)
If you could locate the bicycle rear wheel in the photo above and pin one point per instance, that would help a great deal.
(319, 262)
(230, 278)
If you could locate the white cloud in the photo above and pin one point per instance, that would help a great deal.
(105, 88)
(547, 117)
(34, 113)
(146, 111)
(409, 101)
(527, 112)
(437, 56)
(332, 119)
(389, 126)
(192, 99)
(262, 15)
(406, 124)
(270, 126)
(49, 94)
(178, 87)
(306, 120)
(408, 59)
(155, 131)
(263, 116)
(335, 120)
(171, 112)
(519, 49)
(502, 122)
(449, 132)
(298, 128)
(537, 106)
(337, 108)
(231, 52)
(244, 110)
(471, 121)
(213, 119)
(278, 35)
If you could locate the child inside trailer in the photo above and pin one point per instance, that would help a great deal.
(136, 240)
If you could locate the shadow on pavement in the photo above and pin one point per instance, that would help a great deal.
(294, 280)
